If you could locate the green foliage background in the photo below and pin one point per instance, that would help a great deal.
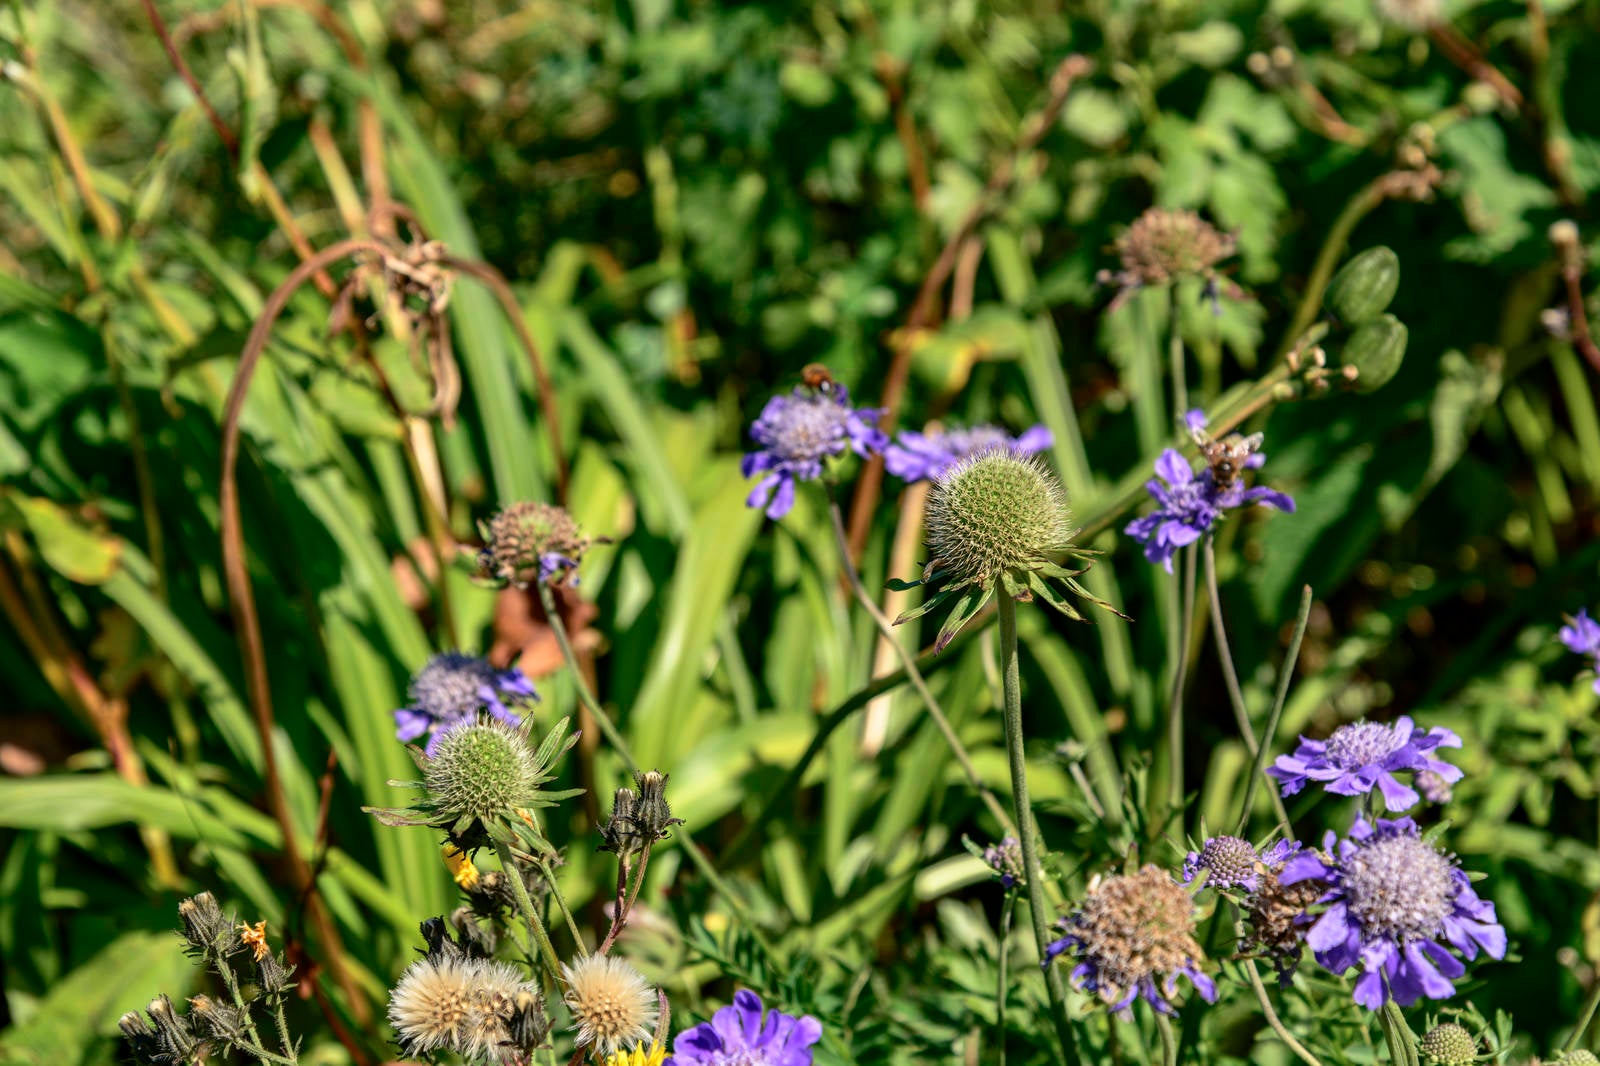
(692, 201)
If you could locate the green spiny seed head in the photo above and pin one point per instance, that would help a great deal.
(995, 512)
(1448, 1045)
(1578, 1058)
(482, 769)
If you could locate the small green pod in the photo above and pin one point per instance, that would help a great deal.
(1363, 288)
(1375, 350)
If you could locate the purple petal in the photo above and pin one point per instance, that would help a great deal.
(411, 723)
(1396, 797)
(1174, 468)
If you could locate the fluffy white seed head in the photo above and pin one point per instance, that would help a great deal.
(612, 1005)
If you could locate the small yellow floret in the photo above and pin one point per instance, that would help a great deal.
(461, 868)
(639, 1056)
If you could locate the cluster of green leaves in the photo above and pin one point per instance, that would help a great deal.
(693, 201)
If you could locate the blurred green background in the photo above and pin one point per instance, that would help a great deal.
(690, 202)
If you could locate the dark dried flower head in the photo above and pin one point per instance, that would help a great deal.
(206, 929)
(654, 814)
(530, 542)
(1164, 244)
(1133, 936)
(176, 1039)
(1276, 922)
(528, 1026)
(997, 521)
(1448, 1044)
(219, 1023)
(441, 945)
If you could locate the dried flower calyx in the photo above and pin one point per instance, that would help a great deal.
(641, 817)
(532, 542)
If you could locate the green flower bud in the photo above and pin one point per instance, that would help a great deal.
(1373, 353)
(993, 513)
(1448, 1045)
(1364, 287)
(1578, 1058)
(485, 769)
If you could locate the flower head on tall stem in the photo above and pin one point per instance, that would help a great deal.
(1165, 244)
(924, 456)
(460, 1004)
(1395, 905)
(531, 542)
(998, 521)
(797, 432)
(1361, 756)
(738, 1035)
(1133, 937)
(1189, 505)
(452, 687)
(612, 1004)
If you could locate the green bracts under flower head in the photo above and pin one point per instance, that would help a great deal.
(998, 520)
(483, 781)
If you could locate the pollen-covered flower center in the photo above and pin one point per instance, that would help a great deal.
(808, 428)
(1399, 887)
(1229, 861)
(1136, 927)
(1361, 744)
(451, 685)
(993, 512)
(481, 769)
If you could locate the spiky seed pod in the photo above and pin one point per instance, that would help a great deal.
(176, 1038)
(144, 1044)
(611, 1003)
(1164, 244)
(1448, 1044)
(530, 542)
(1579, 1057)
(205, 928)
(997, 520)
(276, 978)
(482, 770)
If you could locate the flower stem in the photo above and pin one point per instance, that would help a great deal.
(1272, 1018)
(519, 890)
(936, 712)
(1180, 674)
(1000, 991)
(1169, 1045)
(613, 736)
(1402, 1043)
(226, 973)
(1241, 713)
(1011, 684)
(1587, 1016)
(1285, 676)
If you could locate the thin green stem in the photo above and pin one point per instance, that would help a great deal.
(561, 903)
(613, 736)
(1589, 1007)
(1360, 205)
(1269, 1013)
(909, 664)
(1011, 684)
(1180, 382)
(226, 973)
(1180, 675)
(519, 891)
(1285, 676)
(283, 1030)
(1000, 996)
(1230, 677)
(1169, 1045)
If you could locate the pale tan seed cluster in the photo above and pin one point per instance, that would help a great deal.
(469, 1006)
(1164, 244)
(1135, 928)
(612, 1005)
(1273, 929)
(516, 539)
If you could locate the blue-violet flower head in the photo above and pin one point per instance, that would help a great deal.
(1133, 937)
(452, 687)
(737, 1035)
(1189, 504)
(1362, 755)
(1232, 862)
(924, 456)
(1395, 905)
(1581, 635)
(796, 432)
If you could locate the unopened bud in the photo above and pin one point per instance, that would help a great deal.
(621, 833)
(654, 815)
(206, 929)
(220, 1023)
(528, 1025)
(1364, 287)
(1376, 350)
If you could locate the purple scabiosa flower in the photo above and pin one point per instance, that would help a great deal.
(1581, 635)
(1232, 862)
(1005, 859)
(924, 456)
(1362, 755)
(452, 687)
(1189, 504)
(797, 432)
(1392, 897)
(1133, 937)
(738, 1036)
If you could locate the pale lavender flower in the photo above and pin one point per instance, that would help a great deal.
(1394, 902)
(738, 1036)
(924, 456)
(797, 432)
(1189, 504)
(1362, 755)
(452, 688)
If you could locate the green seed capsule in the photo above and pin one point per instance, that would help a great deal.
(1363, 288)
(1375, 351)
